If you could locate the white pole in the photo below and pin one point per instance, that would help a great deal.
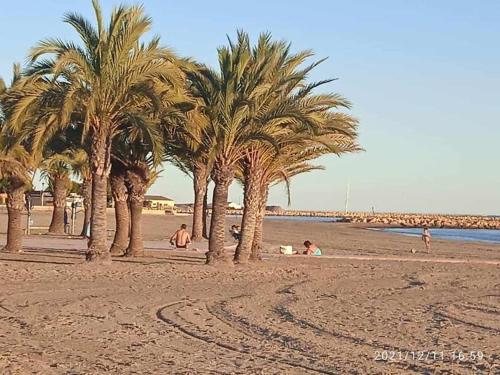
(73, 217)
(347, 197)
(28, 222)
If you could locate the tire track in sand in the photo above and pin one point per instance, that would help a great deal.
(224, 335)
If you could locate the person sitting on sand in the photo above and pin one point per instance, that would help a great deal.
(311, 249)
(235, 232)
(181, 238)
(426, 237)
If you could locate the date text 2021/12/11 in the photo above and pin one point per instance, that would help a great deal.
(430, 355)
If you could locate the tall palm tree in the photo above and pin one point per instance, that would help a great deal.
(189, 147)
(230, 98)
(280, 110)
(107, 75)
(324, 128)
(294, 159)
(17, 163)
(261, 95)
(17, 167)
(139, 150)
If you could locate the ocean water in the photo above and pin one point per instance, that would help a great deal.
(309, 219)
(482, 235)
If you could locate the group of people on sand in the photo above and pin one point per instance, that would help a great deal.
(181, 240)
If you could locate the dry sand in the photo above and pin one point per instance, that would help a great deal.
(169, 313)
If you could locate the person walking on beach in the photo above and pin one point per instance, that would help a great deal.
(181, 238)
(426, 237)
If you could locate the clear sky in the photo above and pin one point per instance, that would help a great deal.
(423, 77)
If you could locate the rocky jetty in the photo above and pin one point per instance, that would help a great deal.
(393, 219)
(432, 221)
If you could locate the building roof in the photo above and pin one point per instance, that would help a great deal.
(156, 198)
(38, 193)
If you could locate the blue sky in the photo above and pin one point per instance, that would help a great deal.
(423, 77)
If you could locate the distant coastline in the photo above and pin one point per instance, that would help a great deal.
(398, 220)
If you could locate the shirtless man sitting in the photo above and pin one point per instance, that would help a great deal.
(181, 238)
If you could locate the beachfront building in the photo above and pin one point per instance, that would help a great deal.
(230, 206)
(234, 206)
(41, 198)
(158, 202)
(74, 199)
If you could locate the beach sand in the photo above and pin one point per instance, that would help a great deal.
(369, 297)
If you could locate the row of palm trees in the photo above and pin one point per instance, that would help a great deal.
(112, 108)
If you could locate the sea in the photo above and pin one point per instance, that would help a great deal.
(481, 235)
(308, 219)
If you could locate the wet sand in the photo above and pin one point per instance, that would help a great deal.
(368, 299)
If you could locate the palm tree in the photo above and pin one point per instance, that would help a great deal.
(117, 180)
(297, 137)
(17, 163)
(231, 98)
(107, 76)
(189, 147)
(267, 98)
(17, 168)
(57, 168)
(139, 150)
(294, 159)
(140, 176)
(81, 169)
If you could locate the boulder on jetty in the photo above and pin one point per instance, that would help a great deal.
(277, 210)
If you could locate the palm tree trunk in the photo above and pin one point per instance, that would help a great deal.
(205, 213)
(15, 207)
(200, 174)
(119, 192)
(87, 198)
(222, 176)
(251, 201)
(259, 226)
(100, 164)
(137, 188)
(60, 192)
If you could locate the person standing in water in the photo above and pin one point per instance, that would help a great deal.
(181, 238)
(426, 237)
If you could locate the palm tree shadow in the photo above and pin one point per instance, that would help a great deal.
(42, 250)
(35, 261)
(144, 261)
(52, 255)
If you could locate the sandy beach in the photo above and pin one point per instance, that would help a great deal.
(368, 306)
